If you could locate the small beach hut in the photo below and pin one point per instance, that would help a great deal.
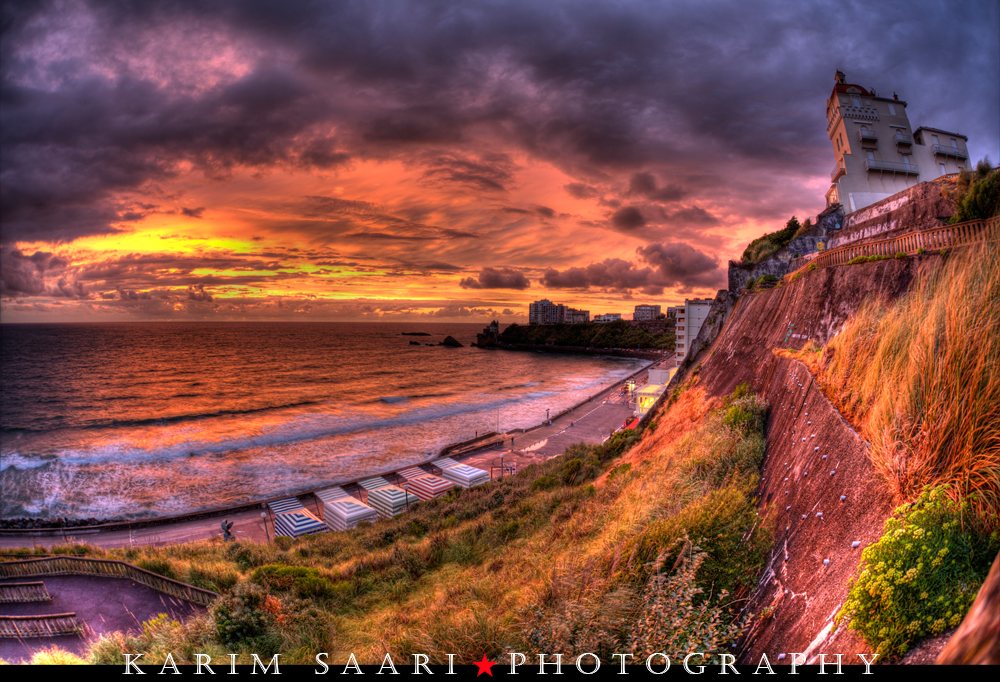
(332, 494)
(374, 483)
(465, 476)
(427, 486)
(445, 463)
(412, 473)
(390, 501)
(347, 513)
(292, 520)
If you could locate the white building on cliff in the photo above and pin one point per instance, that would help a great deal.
(876, 152)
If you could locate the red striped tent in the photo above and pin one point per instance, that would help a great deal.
(427, 487)
(411, 473)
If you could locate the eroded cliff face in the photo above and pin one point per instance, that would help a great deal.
(818, 487)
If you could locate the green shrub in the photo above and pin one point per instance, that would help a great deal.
(245, 620)
(306, 582)
(544, 483)
(157, 565)
(943, 252)
(921, 577)
(750, 283)
(900, 255)
(812, 266)
(677, 620)
(867, 259)
(978, 193)
(921, 251)
(765, 245)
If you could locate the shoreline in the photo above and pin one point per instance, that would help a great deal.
(469, 448)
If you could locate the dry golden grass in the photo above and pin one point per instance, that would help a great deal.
(920, 377)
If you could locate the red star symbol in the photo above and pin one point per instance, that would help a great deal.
(484, 667)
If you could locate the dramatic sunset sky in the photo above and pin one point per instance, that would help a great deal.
(408, 161)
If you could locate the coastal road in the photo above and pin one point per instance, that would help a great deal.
(590, 422)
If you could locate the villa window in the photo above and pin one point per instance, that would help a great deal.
(943, 170)
(856, 101)
(892, 109)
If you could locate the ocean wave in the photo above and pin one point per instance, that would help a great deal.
(296, 430)
(174, 419)
(17, 461)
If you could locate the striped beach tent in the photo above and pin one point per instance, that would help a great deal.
(332, 494)
(292, 519)
(347, 513)
(445, 463)
(389, 502)
(412, 473)
(374, 483)
(465, 476)
(427, 487)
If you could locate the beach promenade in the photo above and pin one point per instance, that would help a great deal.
(589, 422)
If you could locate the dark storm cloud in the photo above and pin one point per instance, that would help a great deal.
(611, 93)
(644, 184)
(581, 191)
(669, 265)
(627, 219)
(613, 273)
(678, 264)
(497, 278)
(194, 212)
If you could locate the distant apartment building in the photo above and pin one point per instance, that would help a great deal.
(646, 312)
(547, 312)
(607, 317)
(689, 320)
(876, 152)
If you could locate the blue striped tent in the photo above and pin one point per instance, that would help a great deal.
(291, 519)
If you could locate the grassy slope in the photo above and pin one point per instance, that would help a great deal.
(545, 561)
(921, 380)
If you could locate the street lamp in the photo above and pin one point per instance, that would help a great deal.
(263, 515)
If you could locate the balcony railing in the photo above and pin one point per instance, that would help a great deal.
(902, 138)
(891, 166)
(837, 171)
(945, 150)
(867, 135)
(860, 113)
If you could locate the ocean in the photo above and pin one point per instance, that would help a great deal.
(140, 420)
